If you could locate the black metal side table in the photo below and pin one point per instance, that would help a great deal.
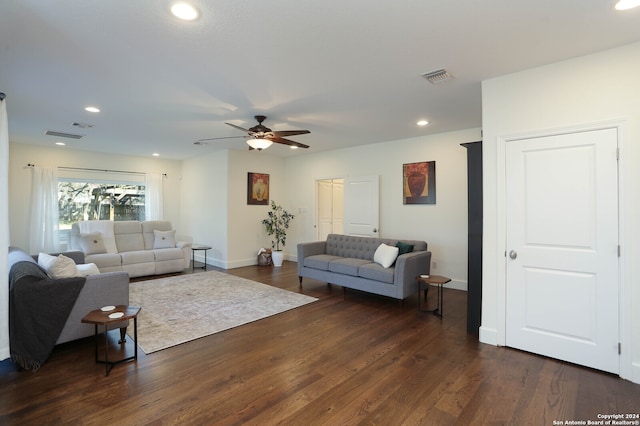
(194, 248)
(426, 281)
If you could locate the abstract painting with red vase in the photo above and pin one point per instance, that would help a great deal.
(419, 182)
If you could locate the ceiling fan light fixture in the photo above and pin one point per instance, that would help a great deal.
(627, 4)
(259, 143)
(184, 11)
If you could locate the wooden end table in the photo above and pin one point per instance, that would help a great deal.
(100, 317)
(427, 280)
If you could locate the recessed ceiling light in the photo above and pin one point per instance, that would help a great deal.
(293, 147)
(184, 11)
(627, 4)
(60, 143)
(155, 154)
(422, 123)
(92, 109)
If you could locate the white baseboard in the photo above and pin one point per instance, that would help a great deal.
(635, 372)
(489, 336)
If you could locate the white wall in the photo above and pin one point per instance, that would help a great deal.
(581, 91)
(215, 191)
(20, 180)
(443, 225)
(204, 200)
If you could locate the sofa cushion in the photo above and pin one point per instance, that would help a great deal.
(148, 226)
(140, 256)
(352, 246)
(106, 262)
(92, 243)
(87, 269)
(58, 266)
(162, 255)
(385, 255)
(348, 266)
(128, 235)
(374, 271)
(164, 239)
(104, 227)
(320, 261)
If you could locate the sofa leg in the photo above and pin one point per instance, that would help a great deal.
(123, 335)
(300, 280)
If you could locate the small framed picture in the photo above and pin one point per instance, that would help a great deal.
(419, 181)
(257, 188)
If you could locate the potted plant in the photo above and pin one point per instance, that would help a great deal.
(276, 225)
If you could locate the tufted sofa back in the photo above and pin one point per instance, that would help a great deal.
(363, 247)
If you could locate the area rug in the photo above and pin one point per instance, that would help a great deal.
(179, 309)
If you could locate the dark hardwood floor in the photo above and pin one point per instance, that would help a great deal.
(349, 358)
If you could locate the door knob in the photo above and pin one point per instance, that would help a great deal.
(513, 254)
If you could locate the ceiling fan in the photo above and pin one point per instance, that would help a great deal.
(261, 137)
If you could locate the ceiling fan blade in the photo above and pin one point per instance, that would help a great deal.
(239, 128)
(223, 137)
(291, 132)
(288, 142)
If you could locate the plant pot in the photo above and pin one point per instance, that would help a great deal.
(277, 256)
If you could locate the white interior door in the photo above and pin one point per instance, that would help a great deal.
(562, 247)
(361, 206)
(325, 207)
(337, 211)
(330, 205)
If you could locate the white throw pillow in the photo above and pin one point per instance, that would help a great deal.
(86, 269)
(164, 239)
(385, 255)
(92, 243)
(45, 261)
(58, 267)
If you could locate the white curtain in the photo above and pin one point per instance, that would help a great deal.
(4, 229)
(153, 197)
(43, 221)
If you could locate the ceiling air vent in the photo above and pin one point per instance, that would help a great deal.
(83, 125)
(438, 76)
(62, 134)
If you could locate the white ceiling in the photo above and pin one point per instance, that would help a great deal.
(347, 70)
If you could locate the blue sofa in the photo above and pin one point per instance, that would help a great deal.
(348, 261)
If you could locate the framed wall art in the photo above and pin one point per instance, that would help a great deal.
(257, 188)
(419, 183)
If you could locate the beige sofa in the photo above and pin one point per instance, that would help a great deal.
(139, 248)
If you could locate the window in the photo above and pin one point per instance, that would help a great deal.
(97, 201)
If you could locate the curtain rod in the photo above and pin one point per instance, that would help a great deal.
(98, 170)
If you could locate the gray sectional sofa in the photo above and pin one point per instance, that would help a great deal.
(137, 247)
(348, 261)
(46, 311)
